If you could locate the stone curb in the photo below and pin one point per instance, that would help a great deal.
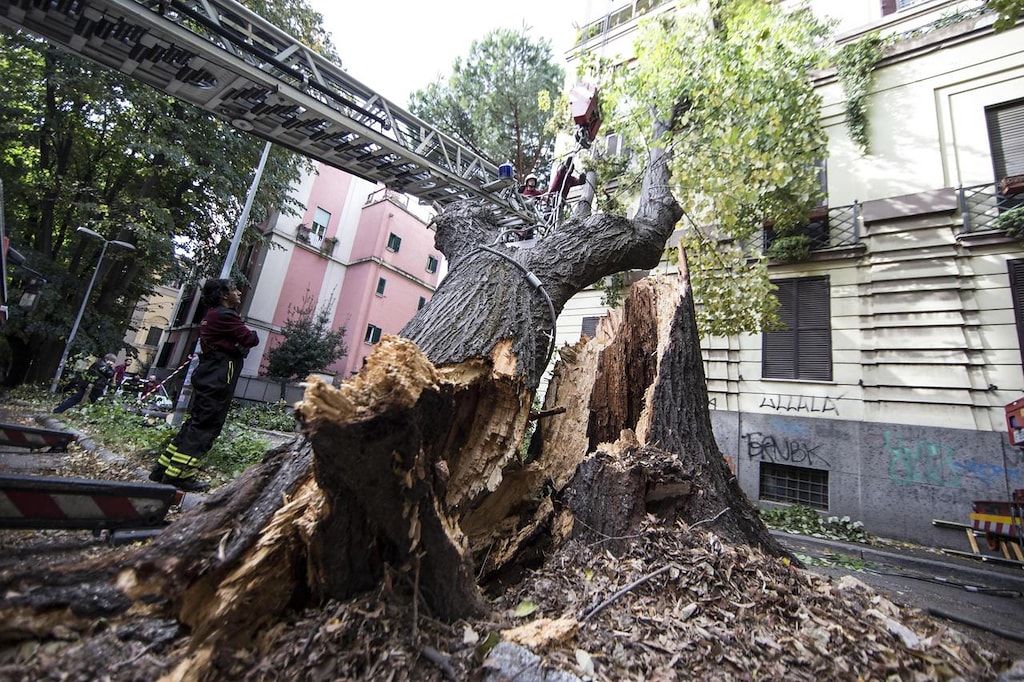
(964, 570)
(86, 443)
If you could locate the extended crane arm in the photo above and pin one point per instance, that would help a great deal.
(223, 58)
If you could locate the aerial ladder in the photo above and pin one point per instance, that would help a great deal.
(230, 62)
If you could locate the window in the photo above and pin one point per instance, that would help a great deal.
(1006, 141)
(1016, 268)
(803, 348)
(381, 286)
(431, 264)
(372, 334)
(423, 302)
(153, 336)
(187, 299)
(612, 144)
(589, 327)
(165, 354)
(394, 242)
(785, 483)
(319, 227)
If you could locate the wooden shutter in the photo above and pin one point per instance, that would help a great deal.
(814, 319)
(803, 349)
(778, 348)
(1006, 138)
(1016, 268)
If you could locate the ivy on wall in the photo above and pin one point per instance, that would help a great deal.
(855, 64)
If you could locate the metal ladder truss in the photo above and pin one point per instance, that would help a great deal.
(223, 58)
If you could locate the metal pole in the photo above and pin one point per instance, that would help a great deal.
(78, 320)
(185, 396)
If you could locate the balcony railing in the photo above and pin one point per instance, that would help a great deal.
(981, 205)
(388, 194)
(839, 227)
(615, 19)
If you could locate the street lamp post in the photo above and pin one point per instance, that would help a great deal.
(85, 300)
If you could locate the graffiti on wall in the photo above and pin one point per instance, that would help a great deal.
(990, 474)
(921, 461)
(781, 402)
(769, 448)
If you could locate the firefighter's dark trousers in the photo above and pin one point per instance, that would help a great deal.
(213, 383)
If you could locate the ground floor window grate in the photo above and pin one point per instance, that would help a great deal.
(784, 483)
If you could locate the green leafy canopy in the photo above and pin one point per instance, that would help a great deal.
(497, 99)
(745, 137)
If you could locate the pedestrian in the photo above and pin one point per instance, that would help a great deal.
(97, 375)
(119, 371)
(224, 341)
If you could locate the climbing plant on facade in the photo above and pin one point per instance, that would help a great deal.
(855, 64)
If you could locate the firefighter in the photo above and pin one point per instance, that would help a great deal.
(530, 188)
(98, 375)
(224, 341)
(563, 180)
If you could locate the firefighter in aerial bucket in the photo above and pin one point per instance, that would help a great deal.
(530, 188)
(585, 109)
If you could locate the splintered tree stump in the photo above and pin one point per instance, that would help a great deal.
(634, 482)
(379, 443)
(614, 453)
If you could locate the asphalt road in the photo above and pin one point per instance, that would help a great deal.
(983, 599)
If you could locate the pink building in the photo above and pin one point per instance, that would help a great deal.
(358, 249)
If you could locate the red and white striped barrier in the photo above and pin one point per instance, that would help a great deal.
(52, 502)
(19, 436)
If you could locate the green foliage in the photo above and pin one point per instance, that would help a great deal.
(309, 344)
(498, 99)
(118, 428)
(745, 135)
(1009, 12)
(269, 416)
(789, 248)
(234, 451)
(855, 64)
(732, 293)
(804, 520)
(613, 287)
(1012, 222)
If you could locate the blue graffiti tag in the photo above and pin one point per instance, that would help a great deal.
(988, 473)
(921, 462)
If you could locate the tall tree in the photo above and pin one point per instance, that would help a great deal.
(307, 342)
(84, 146)
(497, 99)
(747, 141)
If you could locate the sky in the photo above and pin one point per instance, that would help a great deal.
(396, 46)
